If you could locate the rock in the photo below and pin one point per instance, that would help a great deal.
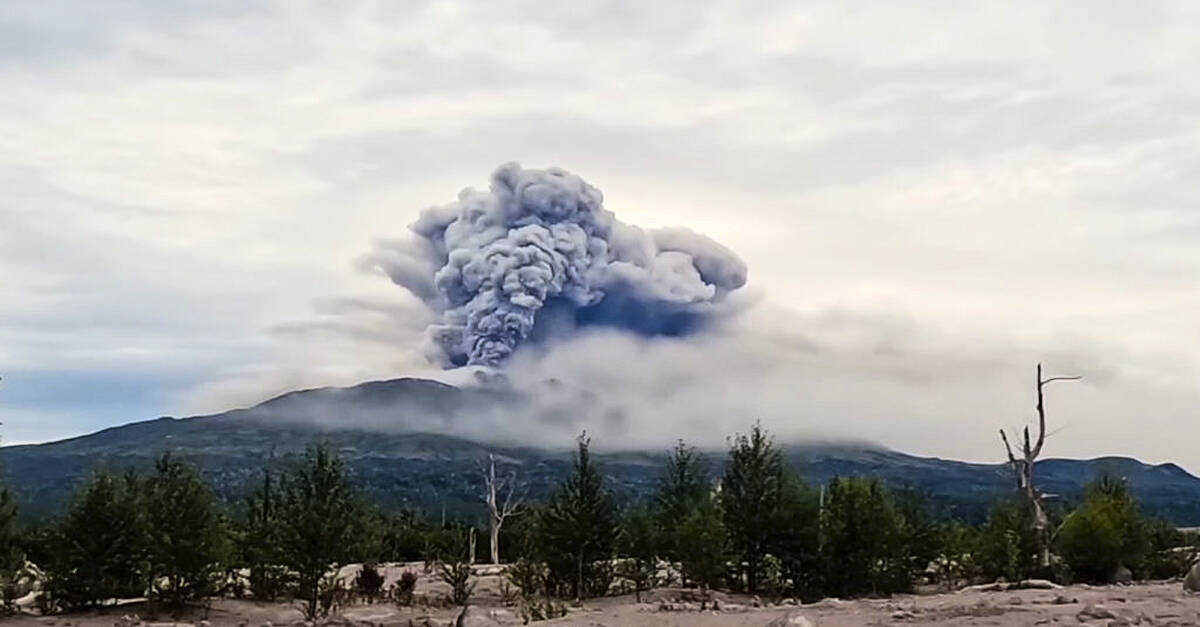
(1191, 583)
(1122, 575)
(902, 615)
(1015, 601)
(472, 616)
(756, 602)
(1062, 600)
(128, 620)
(1091, 610)
(793, 618)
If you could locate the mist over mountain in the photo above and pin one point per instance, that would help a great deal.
(405, 441)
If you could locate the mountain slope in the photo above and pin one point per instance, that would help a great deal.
(410, 466)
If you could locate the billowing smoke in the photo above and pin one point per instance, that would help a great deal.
(538, 255)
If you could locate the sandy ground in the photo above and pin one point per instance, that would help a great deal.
(1160, 604)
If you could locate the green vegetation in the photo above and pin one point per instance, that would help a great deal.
(578, 530)
(187, 540)
(759, 528)
(320, 520)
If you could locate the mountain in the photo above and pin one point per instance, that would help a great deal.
(390, 440)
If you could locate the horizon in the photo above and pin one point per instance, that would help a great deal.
(602, 448)
(844, 224)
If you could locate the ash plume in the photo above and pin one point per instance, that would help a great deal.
(537, 255)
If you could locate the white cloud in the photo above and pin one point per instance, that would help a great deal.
(978, 187)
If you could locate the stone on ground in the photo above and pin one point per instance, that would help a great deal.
(791, 619)
(1192, 582)
(472, 616)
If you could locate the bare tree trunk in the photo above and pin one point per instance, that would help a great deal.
(1023, 470)
(498, 510)
(471, 543)
(494, 520)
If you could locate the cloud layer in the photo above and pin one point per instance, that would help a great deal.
(930, 199)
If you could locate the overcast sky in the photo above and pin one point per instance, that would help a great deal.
(930, 199)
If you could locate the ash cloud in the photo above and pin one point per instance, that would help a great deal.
(537, 256)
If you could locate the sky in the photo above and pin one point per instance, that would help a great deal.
(930, 199)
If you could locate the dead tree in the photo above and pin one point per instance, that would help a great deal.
(499, 509)
(1023, 469)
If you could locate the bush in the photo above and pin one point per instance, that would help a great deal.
(1106, 532)
(369, 583)
(1007, 547)
(401, 592)
(528, 577)
(458, 576)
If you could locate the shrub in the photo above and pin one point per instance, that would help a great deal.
(401, 592)
(528, 577)
(458, 576)
(1105, 533)
(369, 583)
(1007, 546)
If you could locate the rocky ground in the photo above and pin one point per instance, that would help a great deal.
(1160, 604)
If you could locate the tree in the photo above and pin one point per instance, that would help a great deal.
(188, 541)
(501, 503)
(319, 516)
(1022, 468)
(1008, 546)
(579, 527)
(12, 558)
(99, 546)
(638, 544)
(862, 539)
(260, 541)
(794, 536)
(703, 545)
(1105, 533)
(750, 493)
(685, 483)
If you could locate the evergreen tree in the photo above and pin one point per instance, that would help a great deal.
(750, 496)
(260, 541)
(579, 527)
(683, 486)
(99, 546)
(794, 536)
(862, 538)
(12, 558)
(188, 541)
(638, 544)
(319, 517)
(703, 545)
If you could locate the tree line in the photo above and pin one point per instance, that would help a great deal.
(752, 526)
